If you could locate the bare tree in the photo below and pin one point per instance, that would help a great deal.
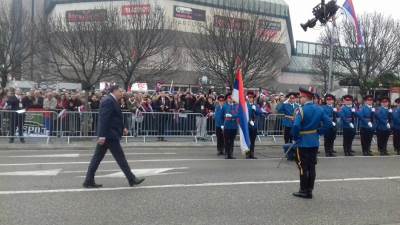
(16, 33)
(229, 35)
(79, 48)
(379, 56)
(144, 43)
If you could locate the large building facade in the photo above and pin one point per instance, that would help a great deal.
(186, 15)
(296, 60)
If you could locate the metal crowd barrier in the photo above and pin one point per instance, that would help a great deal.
(28, 124)
(72, 124)
(161, 125)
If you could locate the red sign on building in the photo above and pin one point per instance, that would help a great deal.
(136, 9)
(86, 15)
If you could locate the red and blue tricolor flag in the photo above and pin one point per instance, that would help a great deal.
(239, 97)
(349, 9)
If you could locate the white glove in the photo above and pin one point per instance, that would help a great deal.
(251, 123)
(390, 110)
(353, 109)
(334, 124)
(388, 125)
(202, 107)
(370, 124)
(335, 109)
(373, 109)
(254, 107)
(352, 125)
(228, 115)
(222, 127)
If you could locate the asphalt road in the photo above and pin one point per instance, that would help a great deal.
(194, 186)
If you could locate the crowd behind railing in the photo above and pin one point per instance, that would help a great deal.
(75, 114)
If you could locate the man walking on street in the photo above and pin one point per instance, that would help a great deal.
(110, 129)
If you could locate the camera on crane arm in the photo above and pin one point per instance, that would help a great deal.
(322, 13)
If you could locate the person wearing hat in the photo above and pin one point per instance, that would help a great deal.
(347, 119)
(330, 136)
(229, 114)
(254, 111)
(287, 109)
(396, 127)
(306, 131)
(383, 126)
(366, 120)
(219, 124)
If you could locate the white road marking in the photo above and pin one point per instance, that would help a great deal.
(176, 160)
(132, 161)
(76, 155)
(46, 156)
(195, 185)
(142, 172)
(54, 172)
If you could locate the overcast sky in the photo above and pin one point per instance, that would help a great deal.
(301, 11)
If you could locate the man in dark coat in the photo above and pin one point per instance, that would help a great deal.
(110, 130)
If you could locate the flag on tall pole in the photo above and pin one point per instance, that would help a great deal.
(243, 119)
(351, 12)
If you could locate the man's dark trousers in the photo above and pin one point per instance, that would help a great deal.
(118, 154)
(306, 160)
(366, 136)
(220, 140)
(329, 140)
(253, 136)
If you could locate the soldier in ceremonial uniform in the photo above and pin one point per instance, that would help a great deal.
(254, 111)
(383, 127)
(288, 108)
(366, 118)
(330, 136)
(229, 114)
(219, 122)
(396, 127)
(347, 120)
(306, 131)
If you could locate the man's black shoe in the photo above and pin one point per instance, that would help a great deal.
(22, 140)
(333, 151)
(303, 195)
(352, 151)
(230, 157)
(11, 141)
(220, 153)
(330, 155)
(92, 185)
(350, 154)
(136, 181)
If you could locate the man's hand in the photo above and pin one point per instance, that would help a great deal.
(126, 131)
(101, 140)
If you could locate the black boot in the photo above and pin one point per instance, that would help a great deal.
(303, 194)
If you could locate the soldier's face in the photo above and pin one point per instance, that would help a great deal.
(330, 102)
(369, 102)
(385, 103)
(303, 100)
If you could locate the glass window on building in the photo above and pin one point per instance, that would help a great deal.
(318, 50)
(311, 49)
(299, 48)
